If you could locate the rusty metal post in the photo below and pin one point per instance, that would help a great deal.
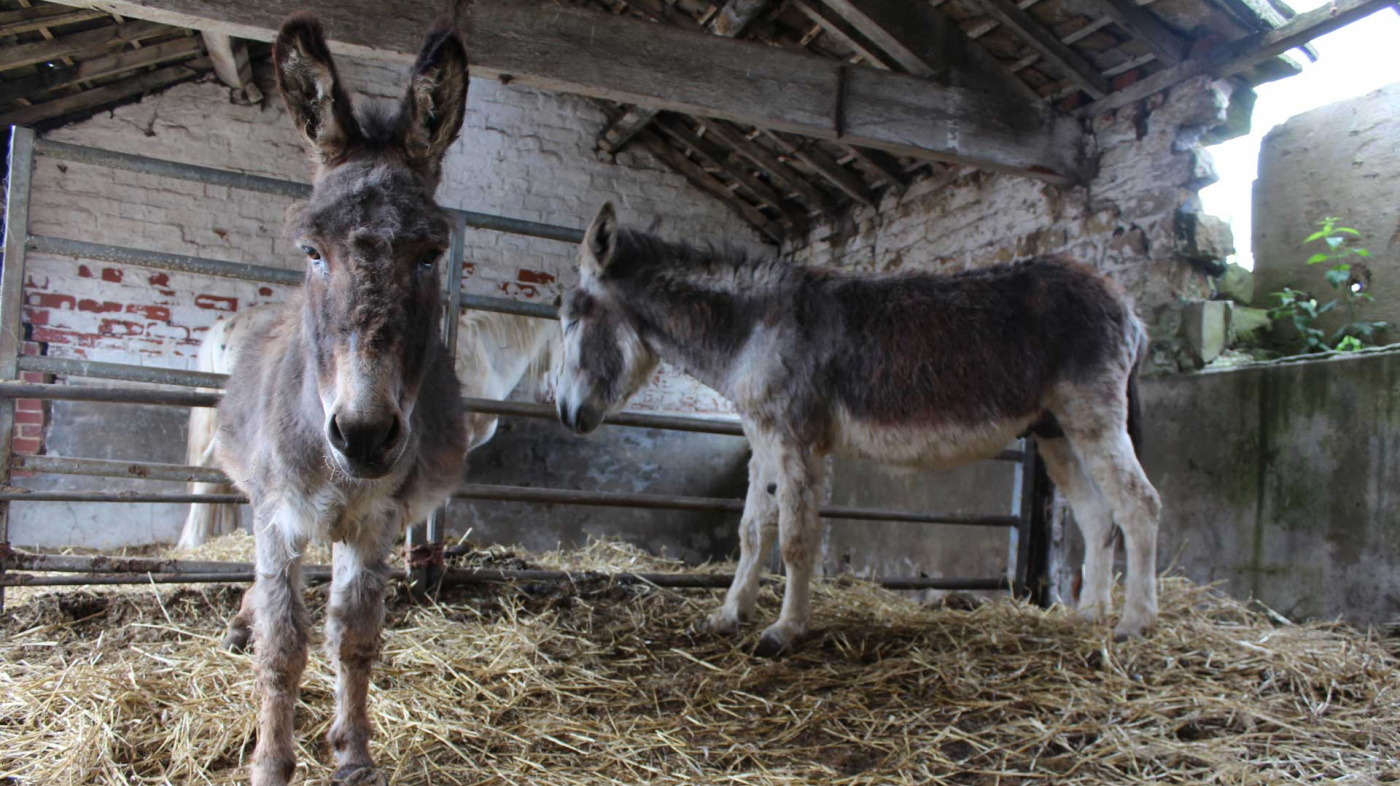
(21, 169)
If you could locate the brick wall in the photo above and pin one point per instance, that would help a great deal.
(523, 154)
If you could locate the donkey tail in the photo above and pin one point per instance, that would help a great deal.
(1134, 397)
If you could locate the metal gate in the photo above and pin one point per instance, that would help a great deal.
(176, 390)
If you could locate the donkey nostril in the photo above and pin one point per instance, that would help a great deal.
(391, 435)
(333, 434)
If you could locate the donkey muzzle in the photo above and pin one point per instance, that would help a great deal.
(368, 446)
(580, 419)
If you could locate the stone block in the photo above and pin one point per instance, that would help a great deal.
(1203, 238)
(1237, 284)
(1205, 324)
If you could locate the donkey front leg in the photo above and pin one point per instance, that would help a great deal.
(354, 621)
(799, 477)
(240, 626)
(281, 624)
(1095, 520)
(756, 532)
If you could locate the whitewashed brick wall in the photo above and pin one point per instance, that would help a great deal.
(523, 154)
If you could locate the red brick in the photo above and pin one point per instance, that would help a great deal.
(36, 316)
(265, 291)
(98, 307)
(30, 431)
(28, 446)
(29, 405)
(159, 280)
(52, 300)
(21, 473)
(112, 274)
(32, 376)
(158, 313)
(120, 327)
(535, 277)
(1123, 80)
(36, 418)
(30, 348)
(216, 303)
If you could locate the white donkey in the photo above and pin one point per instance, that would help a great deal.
(924, 369)
(496, 353)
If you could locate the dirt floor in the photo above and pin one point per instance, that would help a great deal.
(599, 684)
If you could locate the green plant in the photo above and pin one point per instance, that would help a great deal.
(1347, 276)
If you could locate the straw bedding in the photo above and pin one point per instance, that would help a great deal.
(599, 684)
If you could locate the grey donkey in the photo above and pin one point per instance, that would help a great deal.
(918, 368)
(342, 419)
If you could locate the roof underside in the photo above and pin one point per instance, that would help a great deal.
(59, 64)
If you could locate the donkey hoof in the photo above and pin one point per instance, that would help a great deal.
(774, 642)
(359, 775)
(1130, 628)
(1092, 614)
(722, 622)
(236, 640)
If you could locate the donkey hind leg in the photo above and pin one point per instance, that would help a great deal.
(240, 626)
(282, 631)
(1108, 457)
(1095, 520)
(757, 530)
(799, 531)
(354, 619)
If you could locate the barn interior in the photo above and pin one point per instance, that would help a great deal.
(150, 167)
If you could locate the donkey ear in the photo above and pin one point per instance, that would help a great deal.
(600, 241)
(308, 83)
(437, 96)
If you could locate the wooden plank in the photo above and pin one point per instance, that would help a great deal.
(913, 34)
(1044, 41)
(836, 27)
(1169, 48)
(844, 179)
(719, 158)
(230, 59)
(27, 20)
(99, 67)
(729, 22)
(735, 16)
(1245, 53)
(78, 43)
(815, 198)
(706, 182)
(883, 164)
(554, 46)
(107, 94)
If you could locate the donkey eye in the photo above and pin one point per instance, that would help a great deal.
(311, 253)
(427, 260)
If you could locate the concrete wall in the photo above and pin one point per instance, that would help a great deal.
(523, 153)
(1340, 160)
(1294, 496)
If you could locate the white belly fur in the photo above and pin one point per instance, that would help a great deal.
(942, 446)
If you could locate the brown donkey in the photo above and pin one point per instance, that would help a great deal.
(924, 369)
(342, 419)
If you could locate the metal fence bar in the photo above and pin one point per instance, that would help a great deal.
(179, 263)
(501, 493)
(286, 188)
(21, 172)
(173, 398)
(502, 305)
(123, 372)
(108, 468)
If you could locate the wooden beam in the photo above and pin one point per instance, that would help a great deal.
(706, 182)
(1244, 53)
(913, 34)
(230, 59)
(730, 23)
(836, 27)
(1044, 41)
(815, 198)
(808, 153)
(883, 164)
(719, 158)
(99, 67)
(1141, 23)
(555, 46)
(78, 43)
(27, 20)
(735, 16)
(107, 94)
